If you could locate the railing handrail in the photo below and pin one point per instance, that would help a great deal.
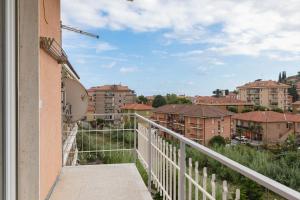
(265, 181)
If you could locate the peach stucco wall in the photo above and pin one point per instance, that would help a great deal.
(50, 100)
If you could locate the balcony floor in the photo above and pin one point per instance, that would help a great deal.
(95, 182)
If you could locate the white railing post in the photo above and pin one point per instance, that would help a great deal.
(182, 171)
(149, 158)
(134, 139)
(213, 185)
(204, 182)
(225, 190)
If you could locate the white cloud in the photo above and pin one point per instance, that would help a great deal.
(109, 65)
(103, 46)
(230, 27)
(126, 70)
(192, 53)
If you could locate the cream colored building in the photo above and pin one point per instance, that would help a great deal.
(270, 94)
(110, 98)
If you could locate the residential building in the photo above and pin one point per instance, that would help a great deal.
(197, 122)
(224, 103)
(32, 149)
(141, 109)
(270, 94)
(267, 127)
(150, 100)
(296, 107)
(110, 98)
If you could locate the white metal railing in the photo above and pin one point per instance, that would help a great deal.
(163, 154)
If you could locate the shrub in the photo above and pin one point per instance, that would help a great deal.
(217, 140)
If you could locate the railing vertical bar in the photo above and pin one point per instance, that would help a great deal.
(96, 139)
(167, 169)
(123, 136)
(204, 183)
(103, 140)
(134, 140)
(196, 179)
(110, 140)
(175, 173)
(190, 182)
(164, 168)
(225, 190)
(149, 158)
(213, 185)
(171, 173)
(89, 139)
(160, 164)
(182, 171)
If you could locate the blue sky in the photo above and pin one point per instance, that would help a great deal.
(192, 48)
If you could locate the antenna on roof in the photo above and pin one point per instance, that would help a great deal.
(79, 31)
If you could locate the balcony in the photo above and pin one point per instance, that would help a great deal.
(130, 158)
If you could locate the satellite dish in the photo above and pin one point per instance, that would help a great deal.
(75, 100)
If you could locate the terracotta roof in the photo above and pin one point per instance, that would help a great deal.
(136, 106)
(193, 110)
(208, 100)
(110, 88)
(264, 84)
(267, 116)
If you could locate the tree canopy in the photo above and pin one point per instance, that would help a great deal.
(142, 99)
(159, 101)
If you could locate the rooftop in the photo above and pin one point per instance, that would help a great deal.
(110, 88)
(137, 106)
(267, 116)
(208, 100)
(193, 110)
(264, 84)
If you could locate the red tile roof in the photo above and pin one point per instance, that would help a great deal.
(264, 84)
(136, 106)
(193, 110)
(208, 100)
(267, 116)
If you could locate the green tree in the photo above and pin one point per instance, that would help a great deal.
(277, 110)
(245, 110)
(260, 108)
(293, 92)
(283, 77)
(232, 109)
(172, 99)
(142, 99)
(184, 101)
(216, 140)
(279, 78)
(159, 101)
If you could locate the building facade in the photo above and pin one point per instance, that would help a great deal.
(141, 109)
(267, 127)
(196, 122)
(110, 98)
(224, 103)
(270, 94)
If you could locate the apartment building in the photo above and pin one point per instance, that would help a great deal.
(270, 94)
(141, 109)
(110, 98)
(267, 127)
(223, 103)
(197, 122)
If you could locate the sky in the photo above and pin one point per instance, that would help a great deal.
(189, 47)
